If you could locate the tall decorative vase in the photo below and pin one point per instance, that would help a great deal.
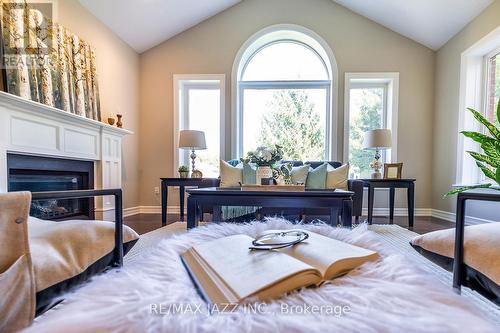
(119, 122)
(263, 172)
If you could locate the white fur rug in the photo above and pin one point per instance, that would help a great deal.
(391, 295)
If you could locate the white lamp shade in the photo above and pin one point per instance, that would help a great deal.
(378, 139)
(193, 140)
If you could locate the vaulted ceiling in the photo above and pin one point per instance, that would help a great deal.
(144, 24)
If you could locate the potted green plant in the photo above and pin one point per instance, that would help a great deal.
(489, 160)
(183, 171)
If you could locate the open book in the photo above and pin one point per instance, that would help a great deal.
(227, 272)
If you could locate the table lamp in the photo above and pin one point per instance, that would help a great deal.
(377, 140)
(192, 140)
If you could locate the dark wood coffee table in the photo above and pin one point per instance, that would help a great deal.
(337, 201)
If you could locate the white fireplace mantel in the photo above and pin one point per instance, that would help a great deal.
(32, 128)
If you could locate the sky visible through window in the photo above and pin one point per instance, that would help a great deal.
(204, 115)
(285, 61)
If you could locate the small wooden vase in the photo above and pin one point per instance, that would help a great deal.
(119, 122)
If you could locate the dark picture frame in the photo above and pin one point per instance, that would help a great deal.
(393, 170)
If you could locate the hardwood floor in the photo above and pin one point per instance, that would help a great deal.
(143, 223)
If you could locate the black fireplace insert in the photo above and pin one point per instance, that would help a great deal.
(42, 174)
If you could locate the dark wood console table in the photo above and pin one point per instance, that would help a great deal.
(458, 263)
(181, 183)
(392, 185)
(337, 201)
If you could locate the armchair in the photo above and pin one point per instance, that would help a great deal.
(41, 260)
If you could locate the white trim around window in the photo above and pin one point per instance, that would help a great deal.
(181, 82)
(473, 80)
(264, 37)
(390, 81)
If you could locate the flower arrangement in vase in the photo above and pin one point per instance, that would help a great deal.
(265, 158)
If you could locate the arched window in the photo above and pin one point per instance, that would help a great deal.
(284, 81)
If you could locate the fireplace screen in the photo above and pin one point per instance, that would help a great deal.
(40, 174)
(51, 209)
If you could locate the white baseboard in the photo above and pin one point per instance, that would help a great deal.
(131, 211)
(452, 217)
(150, 210)
(398, 211)
(440, 214)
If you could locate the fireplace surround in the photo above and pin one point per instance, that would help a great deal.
(54, 140)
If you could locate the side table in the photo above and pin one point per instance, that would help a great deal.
(181, 183)
(392, 185)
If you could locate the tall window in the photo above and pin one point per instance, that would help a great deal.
(480, 90)
(284, 96)
(199, 106)
(493, 86)
(371, 103)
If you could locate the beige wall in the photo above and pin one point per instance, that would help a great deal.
(118, 74)
(447, 108)
(359, 45)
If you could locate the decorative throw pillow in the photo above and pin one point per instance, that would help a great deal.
(337, 178)
(481, 247)
(230, 176)
(316, 179)
(299, 174)
(249, 174)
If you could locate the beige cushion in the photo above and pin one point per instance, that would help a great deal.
(481, 247)
(230, 176)
(337, 178)
(62, 250)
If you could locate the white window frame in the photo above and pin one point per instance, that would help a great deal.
(473, 81)
(390, 82)
(183, 83)
(263, 38)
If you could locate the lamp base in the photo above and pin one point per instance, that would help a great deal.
(196, 174)
(376, 165)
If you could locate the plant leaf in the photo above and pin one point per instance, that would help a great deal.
(478, 137)
(495, 163)
(487, 172)
(493, 130)
(492, 149)
(465, 188)
(498, 111)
